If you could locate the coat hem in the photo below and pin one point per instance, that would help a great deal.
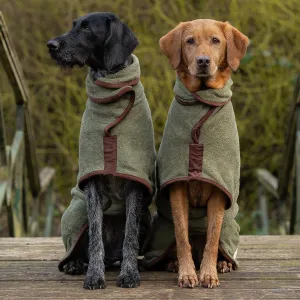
(117, 174)
(67, 256)
(201, 179)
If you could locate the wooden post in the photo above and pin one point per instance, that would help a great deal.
(263, 204)
(15, 75)
(13, 171)
(3, 159)
(297, 159)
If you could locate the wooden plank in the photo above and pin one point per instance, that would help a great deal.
(256, 247)
(244, 240)
(274, 289)
(248, 270)
(15, 75)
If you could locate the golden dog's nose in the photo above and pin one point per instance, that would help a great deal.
(203, 61)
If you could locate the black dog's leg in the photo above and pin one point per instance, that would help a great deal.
(95, 278)
(129, 276)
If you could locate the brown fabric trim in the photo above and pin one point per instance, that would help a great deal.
(212, 103)
(110, 149)
(121, 175)
(195, 159)
(186, 103)
(117, 85)
(112, 98)
(123, 115)
(68, 255)
(201, 179)
(197, 127)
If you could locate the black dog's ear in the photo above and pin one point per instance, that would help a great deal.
(119, 44)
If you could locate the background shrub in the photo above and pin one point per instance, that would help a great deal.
(262, 87)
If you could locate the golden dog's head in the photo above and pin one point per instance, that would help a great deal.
(205, 49)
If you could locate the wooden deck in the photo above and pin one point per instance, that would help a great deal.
(269, 268)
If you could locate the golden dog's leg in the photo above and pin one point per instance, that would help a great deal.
(215, 213)
(180, 205)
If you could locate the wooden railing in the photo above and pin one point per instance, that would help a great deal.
(289, 172)
(22, 186)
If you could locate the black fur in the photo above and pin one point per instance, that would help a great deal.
(103, 42)
(98, 40)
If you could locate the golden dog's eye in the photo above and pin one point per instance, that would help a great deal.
(190, 41)
(215, 40)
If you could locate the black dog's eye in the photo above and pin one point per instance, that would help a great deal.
(85, 26)
(215, 40)
(191, 41)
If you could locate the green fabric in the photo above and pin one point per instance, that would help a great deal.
(219, 135)
(135, 135)
(221, 165)
(74, 218)
(135, 144)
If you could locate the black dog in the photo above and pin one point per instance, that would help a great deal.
(102, 42)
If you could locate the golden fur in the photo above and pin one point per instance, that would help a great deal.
(225, 46)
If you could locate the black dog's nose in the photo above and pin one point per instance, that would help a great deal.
(203, 61)
(53, 44)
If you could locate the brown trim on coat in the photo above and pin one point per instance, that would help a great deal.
(69, 253)
(121, 175)
(195, 159)
(196, 129)
(117, 85)
(112, 98)
(201, 179)
(123, 115)
(212, 103)
(110, 149)
(125, 90)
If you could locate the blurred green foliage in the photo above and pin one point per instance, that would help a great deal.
(262, 87)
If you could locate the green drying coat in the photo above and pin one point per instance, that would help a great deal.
(200, 143)
(116, 138)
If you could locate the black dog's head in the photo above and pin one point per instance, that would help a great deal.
(99, 40)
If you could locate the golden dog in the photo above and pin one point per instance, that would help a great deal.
(204, 52)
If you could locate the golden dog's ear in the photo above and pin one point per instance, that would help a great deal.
(237, 44)
(170, 44)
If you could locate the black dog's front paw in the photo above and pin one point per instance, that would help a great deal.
(94, 283)
(129, 280)
(75, 267)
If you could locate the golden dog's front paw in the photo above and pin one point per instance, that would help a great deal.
(208, 277)
(187, 279)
